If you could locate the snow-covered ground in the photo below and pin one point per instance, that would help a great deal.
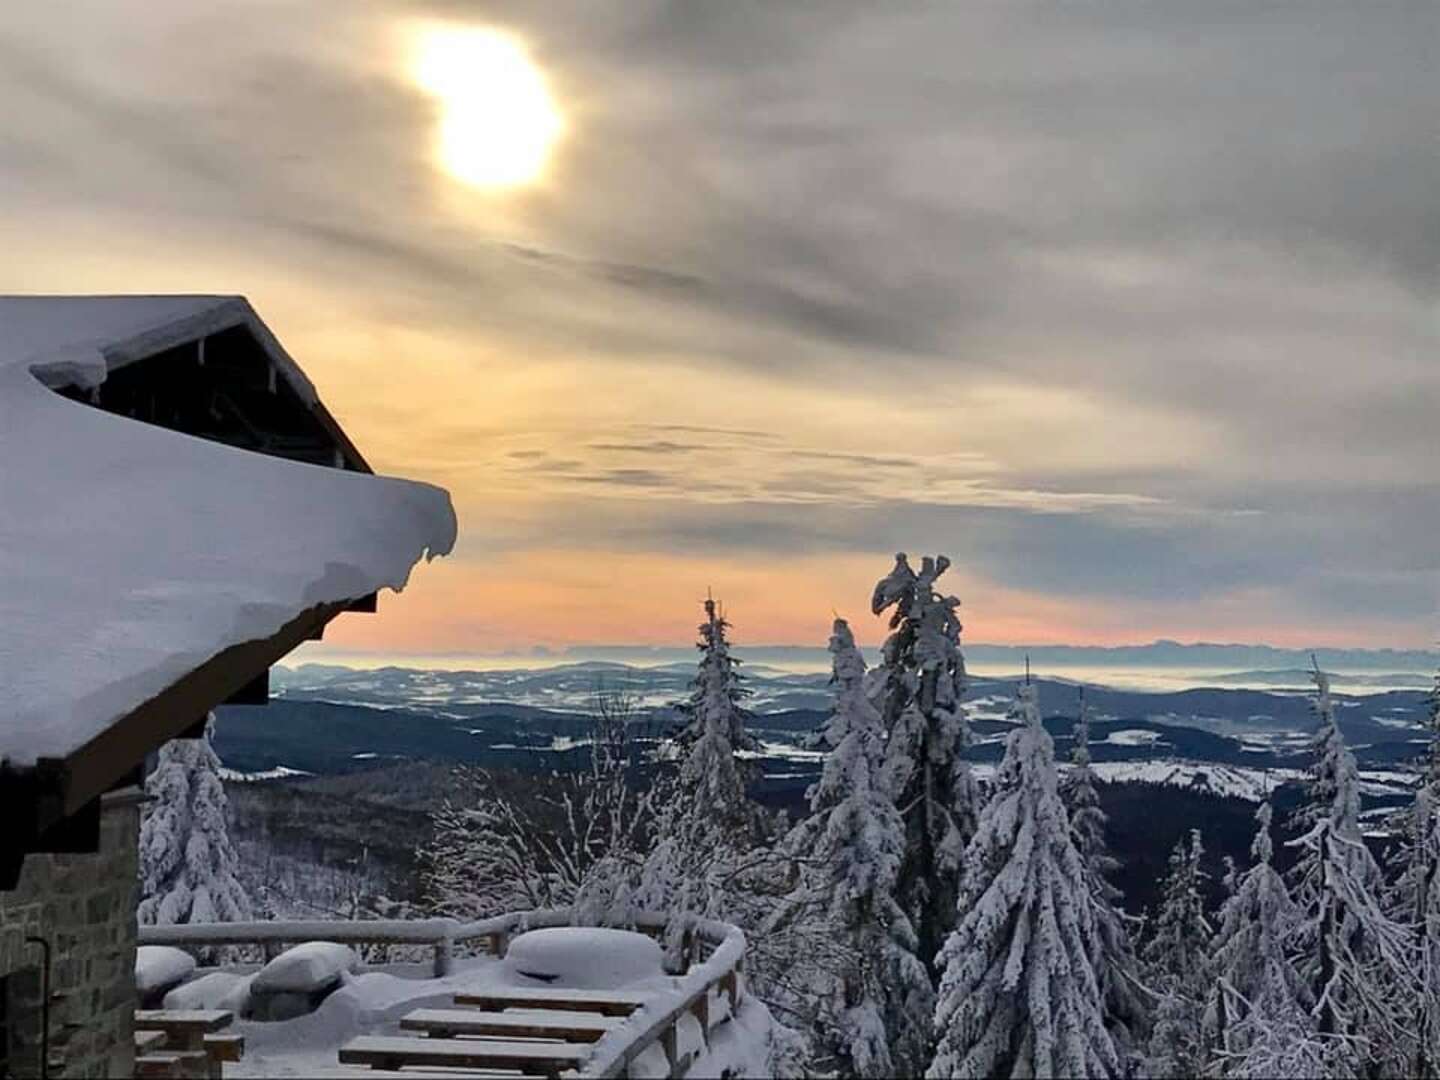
(1134, 737)
(280, 772)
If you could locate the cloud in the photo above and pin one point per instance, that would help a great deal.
(1133, 300)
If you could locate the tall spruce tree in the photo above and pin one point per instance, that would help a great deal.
(709, 828)
(875, 996)
(1258, 1015)
(1415, 897)
(920, 690)
(1019, 995)
(1358, 960)
(1175, 966)
(187, 862)
(1112, 952)
(719, 689)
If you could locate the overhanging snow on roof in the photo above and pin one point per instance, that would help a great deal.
(134, 557)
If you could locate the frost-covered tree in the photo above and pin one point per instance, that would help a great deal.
(1259, 1007)
(1018, 995)
(709, 832)
(1175, 966)
(871, 994)
(187, 862)
(1112, 951)
(920, 690)
(718, 691)
(1357, 959)
(1415, 899)
(500, 845)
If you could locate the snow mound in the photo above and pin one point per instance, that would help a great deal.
(582, 958)
(217, 990)
(159, 967)
(1133, 737)
(306, 969)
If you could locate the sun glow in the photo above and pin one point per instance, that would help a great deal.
(498, 120)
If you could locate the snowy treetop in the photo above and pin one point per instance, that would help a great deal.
(130, 554)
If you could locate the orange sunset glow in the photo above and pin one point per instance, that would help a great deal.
(664, 321)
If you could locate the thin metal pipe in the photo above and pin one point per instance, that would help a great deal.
(44, 1007)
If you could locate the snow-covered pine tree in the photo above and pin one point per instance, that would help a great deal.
(1258, 1015)
(1358, 961)
(1414, 899)
(1112, 951)
(1018, 995)
(920, 689)
(709, 831)
(187, 863)
(1175, 966)
(718, 689)
(874, 996)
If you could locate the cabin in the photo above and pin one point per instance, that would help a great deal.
(178, 511)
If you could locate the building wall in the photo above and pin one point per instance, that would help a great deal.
(84, 905)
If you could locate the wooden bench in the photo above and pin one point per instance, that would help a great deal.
(160, 1063)
(175, 1063)
(604, 1002)
(190, 1039)
(447, 1023)
(389, 1052)
(225, 1047)
(185, 1029)
(149, 1041)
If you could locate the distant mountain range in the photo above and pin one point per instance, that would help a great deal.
(1158, 654)
(332, 719)
(1169, 760)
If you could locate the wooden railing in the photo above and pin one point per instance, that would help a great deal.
(717, 960)
(439, 934)
(713, 954)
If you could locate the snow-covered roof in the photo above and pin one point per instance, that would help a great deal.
(130, 554)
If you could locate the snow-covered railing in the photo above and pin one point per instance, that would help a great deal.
(659, 1021)
(439, 934)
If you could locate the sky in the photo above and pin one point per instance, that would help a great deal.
(1128, 308)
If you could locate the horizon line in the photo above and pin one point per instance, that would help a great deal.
(541, 651)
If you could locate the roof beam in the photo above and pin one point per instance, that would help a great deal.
(97, 765)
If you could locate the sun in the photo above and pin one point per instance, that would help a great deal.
(498, 119)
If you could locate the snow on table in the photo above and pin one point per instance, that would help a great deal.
(582, 957)
(306, 968)
(159, 966)
(130, 554)
(216, 990)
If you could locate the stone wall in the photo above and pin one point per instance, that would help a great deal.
(84, 905)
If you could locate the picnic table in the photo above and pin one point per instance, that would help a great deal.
(185, 1029)
(184, 1042)
(604, 1002)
